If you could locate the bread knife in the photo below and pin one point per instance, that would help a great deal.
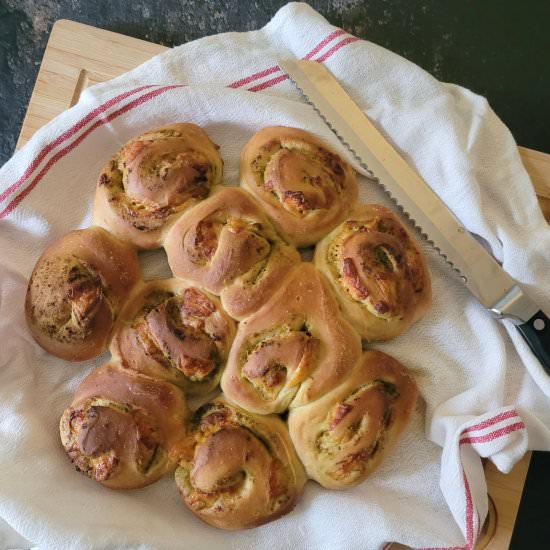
(495, 289)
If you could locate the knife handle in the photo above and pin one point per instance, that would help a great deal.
(536, 332)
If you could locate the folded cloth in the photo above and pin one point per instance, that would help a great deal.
(483, 392)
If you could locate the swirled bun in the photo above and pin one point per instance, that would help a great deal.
(226, 245)
(241, 470)
(173, 331)
(124, 429)
(379, 274)
(154, 178)
(296, 348)
(342, 437)
(76, 291)
(305, 188)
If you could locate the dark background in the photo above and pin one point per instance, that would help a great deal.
(500, 49)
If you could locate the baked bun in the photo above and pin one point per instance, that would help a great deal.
(379, 275)
(124, 429)
(305, 188)
(173, 331)
(226, 245)
(76, 291)
(342, 437)
(241, 469)
(152, 179)
(296, 348)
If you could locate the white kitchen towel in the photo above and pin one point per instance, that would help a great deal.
(483, 393)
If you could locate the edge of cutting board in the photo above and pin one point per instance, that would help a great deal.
(78, 56)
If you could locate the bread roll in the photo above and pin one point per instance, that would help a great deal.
(124, 429)
(76, 291)
(342, 437)
(152, 179)
(173, 331)
(227, 246)
(241, 470)
(379, 275)
(305, 188)
(296, 348)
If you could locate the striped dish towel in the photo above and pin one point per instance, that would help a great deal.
(483, 393)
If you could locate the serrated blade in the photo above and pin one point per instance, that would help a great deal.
(483, 276)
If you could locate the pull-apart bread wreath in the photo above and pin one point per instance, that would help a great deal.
(344, 435)
(295, 345)
(241, 469)
(305, 188)
(173, 331)
(124, 429)
(76, 291)
(294, 349)
(152, 179)
(226, 245)
(379, 274)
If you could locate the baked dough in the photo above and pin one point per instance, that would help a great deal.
(241, 469)
(294, 349)
(305, 188)
(342, 437)
(378, 272)
(76, 291)
(124, 429)
(152, 179)
(226, 245)
(171, 330)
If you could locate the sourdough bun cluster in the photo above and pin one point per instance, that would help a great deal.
(281, 335)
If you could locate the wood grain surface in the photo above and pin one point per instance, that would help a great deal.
(78, 56)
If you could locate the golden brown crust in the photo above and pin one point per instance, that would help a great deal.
(378, 272)
(240, 470)
(305, 188)
(154, 178)
(171, 330)
(123, 429)
(342, 437)
(227, 246)
(76, 291)
(293, 350)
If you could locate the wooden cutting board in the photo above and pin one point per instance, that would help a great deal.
(78, 56)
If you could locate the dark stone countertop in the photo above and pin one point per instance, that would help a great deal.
(497, 49)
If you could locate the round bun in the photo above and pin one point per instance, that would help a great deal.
(173, 331)
(378, 272)
(76, 291)
(342, 437)
(305, 188)
(226, 245)
(241, 470)
(152, 179)
(124, 429)
(294, 349)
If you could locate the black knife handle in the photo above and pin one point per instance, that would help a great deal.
(536, 333)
